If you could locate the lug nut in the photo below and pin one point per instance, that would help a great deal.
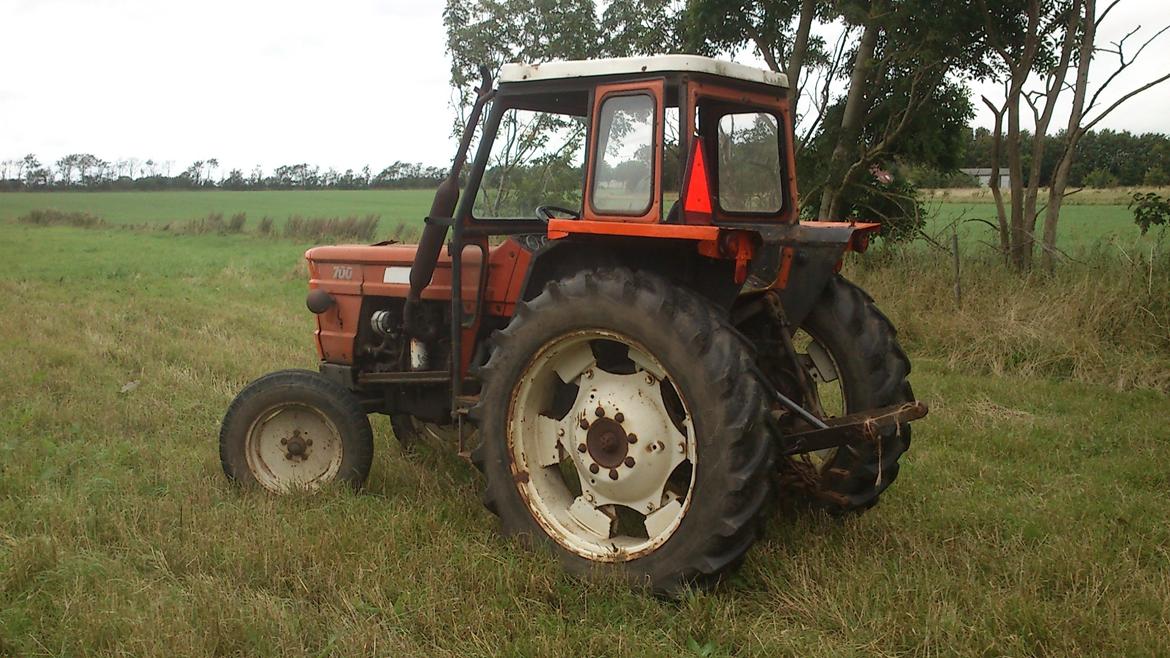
(600, 412)
(613, 474)
(632, 438)
(560, 431)
(629, 461)
(308, 442)
(593, 468)
(582, 448)
(584, 424)
(619, 417)
(284, 442)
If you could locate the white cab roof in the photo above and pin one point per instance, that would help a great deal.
(632, 65)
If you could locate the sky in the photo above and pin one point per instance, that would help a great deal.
(337, 84)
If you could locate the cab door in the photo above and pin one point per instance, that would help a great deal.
(625, 153)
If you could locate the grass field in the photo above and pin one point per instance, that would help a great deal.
(1030, 517)
(1091, 219)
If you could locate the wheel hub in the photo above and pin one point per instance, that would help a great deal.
(631, 444)
(606, 443)
(296, 446)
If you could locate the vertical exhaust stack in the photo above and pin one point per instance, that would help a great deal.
(442, 209)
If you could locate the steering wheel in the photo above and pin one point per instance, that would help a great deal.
(545, 213)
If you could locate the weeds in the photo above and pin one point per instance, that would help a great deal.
(212, 223)
(319, 229)
(264, 228)
(51, 217)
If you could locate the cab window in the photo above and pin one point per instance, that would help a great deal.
(623, 182)
(749, 163)
(537, 159)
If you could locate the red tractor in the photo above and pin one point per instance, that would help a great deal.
(639, 366)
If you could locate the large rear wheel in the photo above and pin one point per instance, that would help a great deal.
(623, 426)
(852, 362)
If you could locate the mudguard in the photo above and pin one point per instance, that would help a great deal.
(798, 260)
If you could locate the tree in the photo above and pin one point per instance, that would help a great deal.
(1055, 41)
(897, 58)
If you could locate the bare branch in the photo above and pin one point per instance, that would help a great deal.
(1124, 63)
(1118, 103)
(1104, 14)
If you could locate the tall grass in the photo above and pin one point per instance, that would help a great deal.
(212, 223)
(1104, 318)
(320, 229)
(51, 217)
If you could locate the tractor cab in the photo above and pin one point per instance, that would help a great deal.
(620, 312)
(678, 164)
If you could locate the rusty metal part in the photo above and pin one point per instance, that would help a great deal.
(863, 427)
(807, 389)
(606, 442)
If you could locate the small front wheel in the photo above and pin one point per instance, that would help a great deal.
(295, 430)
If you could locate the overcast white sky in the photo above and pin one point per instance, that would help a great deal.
(338, 84)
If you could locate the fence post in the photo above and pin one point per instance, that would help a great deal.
(955, 256)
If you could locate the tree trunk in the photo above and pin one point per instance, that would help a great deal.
(1016, 178)
(1073, 135)
(799, 51)
(851, 118)
(1005, 242)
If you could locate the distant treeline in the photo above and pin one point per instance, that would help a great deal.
(1104, 158)
(84, 171)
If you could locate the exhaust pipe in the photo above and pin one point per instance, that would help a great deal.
(442, 208)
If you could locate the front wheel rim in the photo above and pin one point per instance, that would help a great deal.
(293, 446)
(608, 469)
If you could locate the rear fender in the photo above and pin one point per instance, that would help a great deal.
(798, 263)
(675, 260)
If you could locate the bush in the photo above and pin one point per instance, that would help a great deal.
(1149, 209)
(236, 225)
(265, 226)
(896, 205)
(1101, 179)
(50, 217)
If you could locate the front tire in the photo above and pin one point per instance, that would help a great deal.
(295, 430)
(624, 427)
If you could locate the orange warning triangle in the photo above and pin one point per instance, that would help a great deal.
(698, 193)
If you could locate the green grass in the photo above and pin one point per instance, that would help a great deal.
(1081, 226)
(1030, 517)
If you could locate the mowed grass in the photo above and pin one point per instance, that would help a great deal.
(1081, 227)
(1029, 519)
(394, 206)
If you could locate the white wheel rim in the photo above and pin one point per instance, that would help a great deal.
(293, 446)
(611, 477)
